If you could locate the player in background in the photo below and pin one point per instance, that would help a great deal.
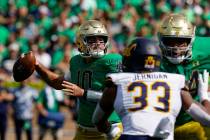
(176, 38)
(147, 101)
(88, 71)
(5, 98)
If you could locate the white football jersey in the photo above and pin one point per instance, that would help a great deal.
(145, 100)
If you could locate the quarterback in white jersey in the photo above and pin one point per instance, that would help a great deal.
(147, 101)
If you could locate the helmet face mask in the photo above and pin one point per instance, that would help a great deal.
(176, 50)
(176, 36)
(92, 39)
(95, 46)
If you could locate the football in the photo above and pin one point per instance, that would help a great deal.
(24, 66)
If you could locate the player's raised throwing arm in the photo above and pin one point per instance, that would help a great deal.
(51, 78)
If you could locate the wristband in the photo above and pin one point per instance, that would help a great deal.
(92, 95)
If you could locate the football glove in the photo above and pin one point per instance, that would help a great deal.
(203, 86)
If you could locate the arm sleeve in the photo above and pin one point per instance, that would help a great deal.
(92, 95)
(199, 114)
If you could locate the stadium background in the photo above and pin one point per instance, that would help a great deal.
(48, 28)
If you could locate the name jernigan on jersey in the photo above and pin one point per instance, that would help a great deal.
(144, 76)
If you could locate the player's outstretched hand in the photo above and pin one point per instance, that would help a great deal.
(203, 85)
(115, 131)
(164, 129)
(72, 89)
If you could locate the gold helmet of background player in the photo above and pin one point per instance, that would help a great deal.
(91, 28)
(177, 30)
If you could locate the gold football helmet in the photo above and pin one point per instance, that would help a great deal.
(176, 35)
(88, 30)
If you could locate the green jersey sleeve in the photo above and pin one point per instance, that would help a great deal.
(201, 46)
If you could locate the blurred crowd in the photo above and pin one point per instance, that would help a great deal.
(48, 28)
